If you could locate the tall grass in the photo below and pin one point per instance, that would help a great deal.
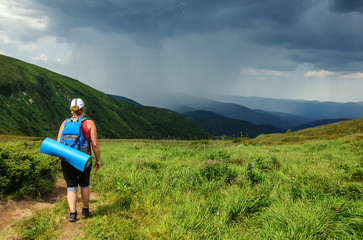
(223, 190)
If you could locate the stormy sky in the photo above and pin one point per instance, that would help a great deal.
(287, 49)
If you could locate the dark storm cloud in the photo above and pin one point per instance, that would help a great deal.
(165, 17)
(319, 35)
(316, 28)
(294, 24)
(346, 6)
(329, 60)
(112, 16)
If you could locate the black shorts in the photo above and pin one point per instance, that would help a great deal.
(74, 177)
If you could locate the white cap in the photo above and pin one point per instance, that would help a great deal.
(77, 102)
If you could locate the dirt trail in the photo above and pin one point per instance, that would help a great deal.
(71, 229)
(12, 211)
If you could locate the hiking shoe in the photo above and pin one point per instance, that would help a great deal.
(85, 212)
(72, 217)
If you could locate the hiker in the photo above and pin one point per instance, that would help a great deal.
(88, 138)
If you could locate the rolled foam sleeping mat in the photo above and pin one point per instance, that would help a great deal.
(76, 158)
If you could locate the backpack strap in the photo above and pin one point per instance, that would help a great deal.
(67, 120)
(79, 120)
(89, 140)
(80, 130)
(82, 119)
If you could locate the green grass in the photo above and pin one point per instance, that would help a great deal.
(150, 189)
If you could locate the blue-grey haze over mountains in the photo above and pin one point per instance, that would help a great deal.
(286, 49)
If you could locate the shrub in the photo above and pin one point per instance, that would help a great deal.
(24, 173)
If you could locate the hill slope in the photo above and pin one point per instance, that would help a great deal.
(125, 99)
(317, 123)
(351, 128)
(34, 102)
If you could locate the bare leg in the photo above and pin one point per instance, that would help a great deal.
(85, 193)
(72, 200)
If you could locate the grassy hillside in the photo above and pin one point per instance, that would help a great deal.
(317, 123)
(34, 102)
(352, 128)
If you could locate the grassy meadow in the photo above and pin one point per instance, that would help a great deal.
(149, 189)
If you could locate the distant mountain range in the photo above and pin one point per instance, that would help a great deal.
(314, 110)
(34, 102)
(274, 115)
(183, 103)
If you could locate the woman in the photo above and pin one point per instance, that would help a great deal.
(73, 176)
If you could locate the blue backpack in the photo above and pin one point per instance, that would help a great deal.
(72, 135)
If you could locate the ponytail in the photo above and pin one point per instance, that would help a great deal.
(76, 111)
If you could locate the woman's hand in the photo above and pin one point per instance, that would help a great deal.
(97, 165)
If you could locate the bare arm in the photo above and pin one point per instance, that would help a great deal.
(60, 134)
(61, 130)
(94, 142)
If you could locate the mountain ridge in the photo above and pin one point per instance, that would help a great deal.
(315, 110)
(183, 103)
(124, 99)
(219, 125)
